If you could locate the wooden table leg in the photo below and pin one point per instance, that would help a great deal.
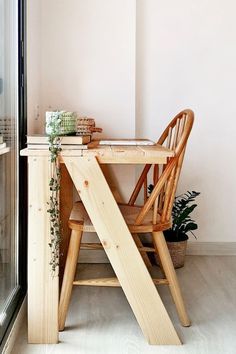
(42, 286)
(121, 250)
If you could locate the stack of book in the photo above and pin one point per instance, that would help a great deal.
(67, 142)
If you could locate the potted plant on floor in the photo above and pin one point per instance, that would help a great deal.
(182, 224)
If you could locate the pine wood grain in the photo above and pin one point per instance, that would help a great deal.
(42, 286)
(121, 251)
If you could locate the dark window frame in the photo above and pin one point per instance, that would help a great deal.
(22, 206)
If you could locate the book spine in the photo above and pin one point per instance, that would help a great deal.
(67, 140)
(63, 147)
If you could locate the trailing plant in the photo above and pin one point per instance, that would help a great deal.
(53, 129)
(182, 223)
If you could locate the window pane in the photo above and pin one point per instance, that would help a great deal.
(8, 155)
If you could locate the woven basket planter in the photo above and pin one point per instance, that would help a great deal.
(86, 126)
(177, 252)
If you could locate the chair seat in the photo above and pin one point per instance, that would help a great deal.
(80, 219)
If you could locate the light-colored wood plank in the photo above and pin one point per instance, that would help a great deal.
(99, 246)
(130, 160)
(154, 150)
(30, 152)
(126, 151)
(99, 151)
(91, 246)
(42, 286)
(121, 251)
(70, 268)
(111, 282)
(114, 155)
(126, 142)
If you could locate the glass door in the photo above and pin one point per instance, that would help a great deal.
(10, 284)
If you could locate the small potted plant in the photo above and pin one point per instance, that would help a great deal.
(182, 224)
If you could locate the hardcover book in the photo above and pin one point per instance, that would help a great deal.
(63, 146)
(68, 139)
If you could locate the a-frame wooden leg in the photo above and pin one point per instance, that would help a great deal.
(167, 264)
(42, 285)
(69, 274)
(121, 250)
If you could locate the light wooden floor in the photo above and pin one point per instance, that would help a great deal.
(101, 322)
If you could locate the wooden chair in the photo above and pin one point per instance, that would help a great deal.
(154, 216)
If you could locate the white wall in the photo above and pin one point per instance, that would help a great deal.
(87, 60)
(83, 57)
(185, 58)
(34, 66)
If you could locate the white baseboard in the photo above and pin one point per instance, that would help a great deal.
(15, 328)
(211, 248)
(193, 249)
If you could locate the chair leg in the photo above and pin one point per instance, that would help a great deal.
(160, 244)
(158, 261)
(143, 254)
(68, 278)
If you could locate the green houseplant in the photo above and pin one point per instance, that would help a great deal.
(58, 123)
(182, 225)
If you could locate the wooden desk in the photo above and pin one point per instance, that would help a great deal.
(85, 172)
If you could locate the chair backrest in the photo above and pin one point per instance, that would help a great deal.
(165, 177)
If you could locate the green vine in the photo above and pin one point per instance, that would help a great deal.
(53, 131)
